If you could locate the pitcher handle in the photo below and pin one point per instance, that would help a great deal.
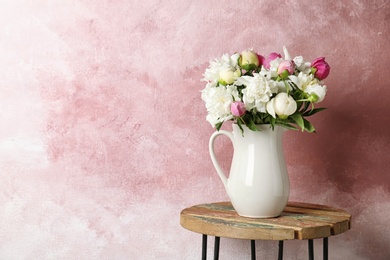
(221, 174)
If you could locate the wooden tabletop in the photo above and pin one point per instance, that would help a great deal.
(297, 221)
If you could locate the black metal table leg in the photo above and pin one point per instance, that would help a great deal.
(216, 248)
(204, 247)
(311, 249)
(325, 249)
(280, 253)
(253, 249)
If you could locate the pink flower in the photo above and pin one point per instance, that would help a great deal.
(261, 59)
(286, 68)
(271, 57)
(237, 108)
(320, 68)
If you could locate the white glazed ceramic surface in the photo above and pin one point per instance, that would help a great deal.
(258, 185)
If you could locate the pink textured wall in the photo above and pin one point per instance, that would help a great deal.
(103, 138)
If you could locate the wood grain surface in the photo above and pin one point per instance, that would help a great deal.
(297, 221)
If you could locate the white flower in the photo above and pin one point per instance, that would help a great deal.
(310, 85)
(217, 101)
(281, 86)
(225, 63)
(317, 92)
(287, 55)
(274, 65)
(227, 76)
(283, 105)
(302, 65)
(302, 80)
(258, 91)
(233, 61)
(265, 73)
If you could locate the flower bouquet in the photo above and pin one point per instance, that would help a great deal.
(250, 89)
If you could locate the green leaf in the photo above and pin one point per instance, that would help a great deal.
(313, 111)
(306, 106)
(299, 120)
(239, 123)
(309, 127)
(299, 104)
(288, 126)
(272, 122)
(252, 126)
(293, 85)
(249, 67)
(218, 125)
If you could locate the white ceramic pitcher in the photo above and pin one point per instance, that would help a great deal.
(258, 185)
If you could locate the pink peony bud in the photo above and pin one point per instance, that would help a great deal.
(320, 68)
(271, 57)
(261, 59)
(286, 68)
(237, 108)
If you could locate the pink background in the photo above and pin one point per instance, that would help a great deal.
(103, 137)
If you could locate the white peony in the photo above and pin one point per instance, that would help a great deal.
(218, 101)
(258, 91)
(317, 92)
(282, 105)
(274, 65)
(302, 65)
(302, 80)
(225, 63)
(310, 85)
(227, 76)
(266, 73)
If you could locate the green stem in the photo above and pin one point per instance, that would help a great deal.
(242, 120)
(287, 87)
